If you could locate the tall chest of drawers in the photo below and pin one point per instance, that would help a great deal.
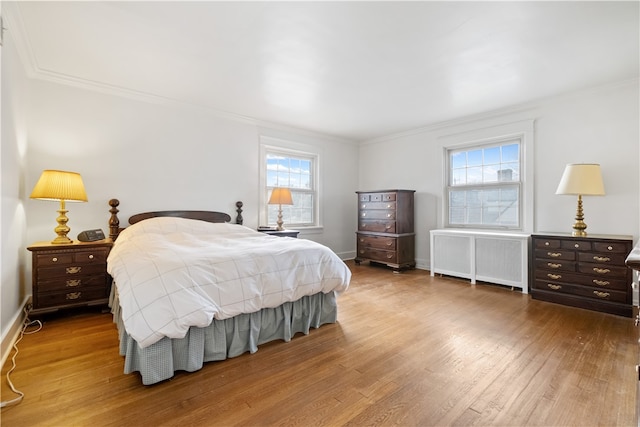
(66, 276)
(587, 272)
(385, 228)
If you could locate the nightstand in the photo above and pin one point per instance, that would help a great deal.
(66, 276)
(283, 233)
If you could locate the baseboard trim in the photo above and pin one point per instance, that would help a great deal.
(13, 332)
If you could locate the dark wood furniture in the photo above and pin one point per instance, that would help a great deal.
(385, 228)
(282, 233)
(586, 271)
(67, 276)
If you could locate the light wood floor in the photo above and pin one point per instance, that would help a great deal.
(408, 350)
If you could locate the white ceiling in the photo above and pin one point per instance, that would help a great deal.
(355, 70)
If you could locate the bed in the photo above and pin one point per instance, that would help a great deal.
(192, 287)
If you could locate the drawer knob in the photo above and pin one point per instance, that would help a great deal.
(389, 206)
(601, 282)
(602, 258)
(364, 205)
(388, 215)
(73, 283)
(601, 270)
(554, 287)
(554, 254)
(364, 214)
(91, 256)
(546, 243)
(389, 256)
(601, 294)
(74, 295)
(554, 276)
(610, 248)
(389, 243)
(576, 245)
(73, 270)
(387, 226)
(552, 265)
(54, 259)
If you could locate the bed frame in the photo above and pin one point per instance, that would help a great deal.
(222, 339)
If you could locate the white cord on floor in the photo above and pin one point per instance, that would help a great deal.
(23, 332)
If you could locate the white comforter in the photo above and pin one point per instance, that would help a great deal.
(174, 273)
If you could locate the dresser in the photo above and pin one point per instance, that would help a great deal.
(586, 271)
(385, 228)
(66, 276)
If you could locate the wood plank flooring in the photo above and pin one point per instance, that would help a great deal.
(408, 350)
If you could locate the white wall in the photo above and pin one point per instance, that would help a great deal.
(160, 156)
(13, 288)
(599, 125)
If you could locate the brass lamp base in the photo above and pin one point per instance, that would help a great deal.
(62, 229)
(579, 226)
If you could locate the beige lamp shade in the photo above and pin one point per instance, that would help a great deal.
(280, 196)
(65, 187)
(59, 185)
(581, 179)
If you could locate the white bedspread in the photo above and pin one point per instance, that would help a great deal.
(174, 273)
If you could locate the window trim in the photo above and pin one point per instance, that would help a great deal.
(484, 136)
(287, 148)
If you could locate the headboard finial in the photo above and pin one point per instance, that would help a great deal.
(114, 222)
(239, 219)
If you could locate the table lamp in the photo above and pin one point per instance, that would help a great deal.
(65, 187)
(582, 180)
(280, 196)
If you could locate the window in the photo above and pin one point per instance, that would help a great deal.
(296, 170)
(484, 187)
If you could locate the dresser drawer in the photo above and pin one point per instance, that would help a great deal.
(377, 226)
(606, 247)
(377, 242)
(578, 245)
(546, 244)
(563, 277)
(602, 258)
(600, 270)
(554, 254)
(377, 254)
(378, 205)
(582, 291)
(378, 214)
(555, 265)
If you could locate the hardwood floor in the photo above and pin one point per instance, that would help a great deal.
(408, 350)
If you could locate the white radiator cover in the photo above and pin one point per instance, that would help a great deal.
(492, 257)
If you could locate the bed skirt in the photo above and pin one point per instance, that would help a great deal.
(223, 338)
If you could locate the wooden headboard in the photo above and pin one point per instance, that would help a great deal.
(209, 216)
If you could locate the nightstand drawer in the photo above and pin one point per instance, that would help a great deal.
(51, 299)
(71, 283)
(58, 258)
(72, 270)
